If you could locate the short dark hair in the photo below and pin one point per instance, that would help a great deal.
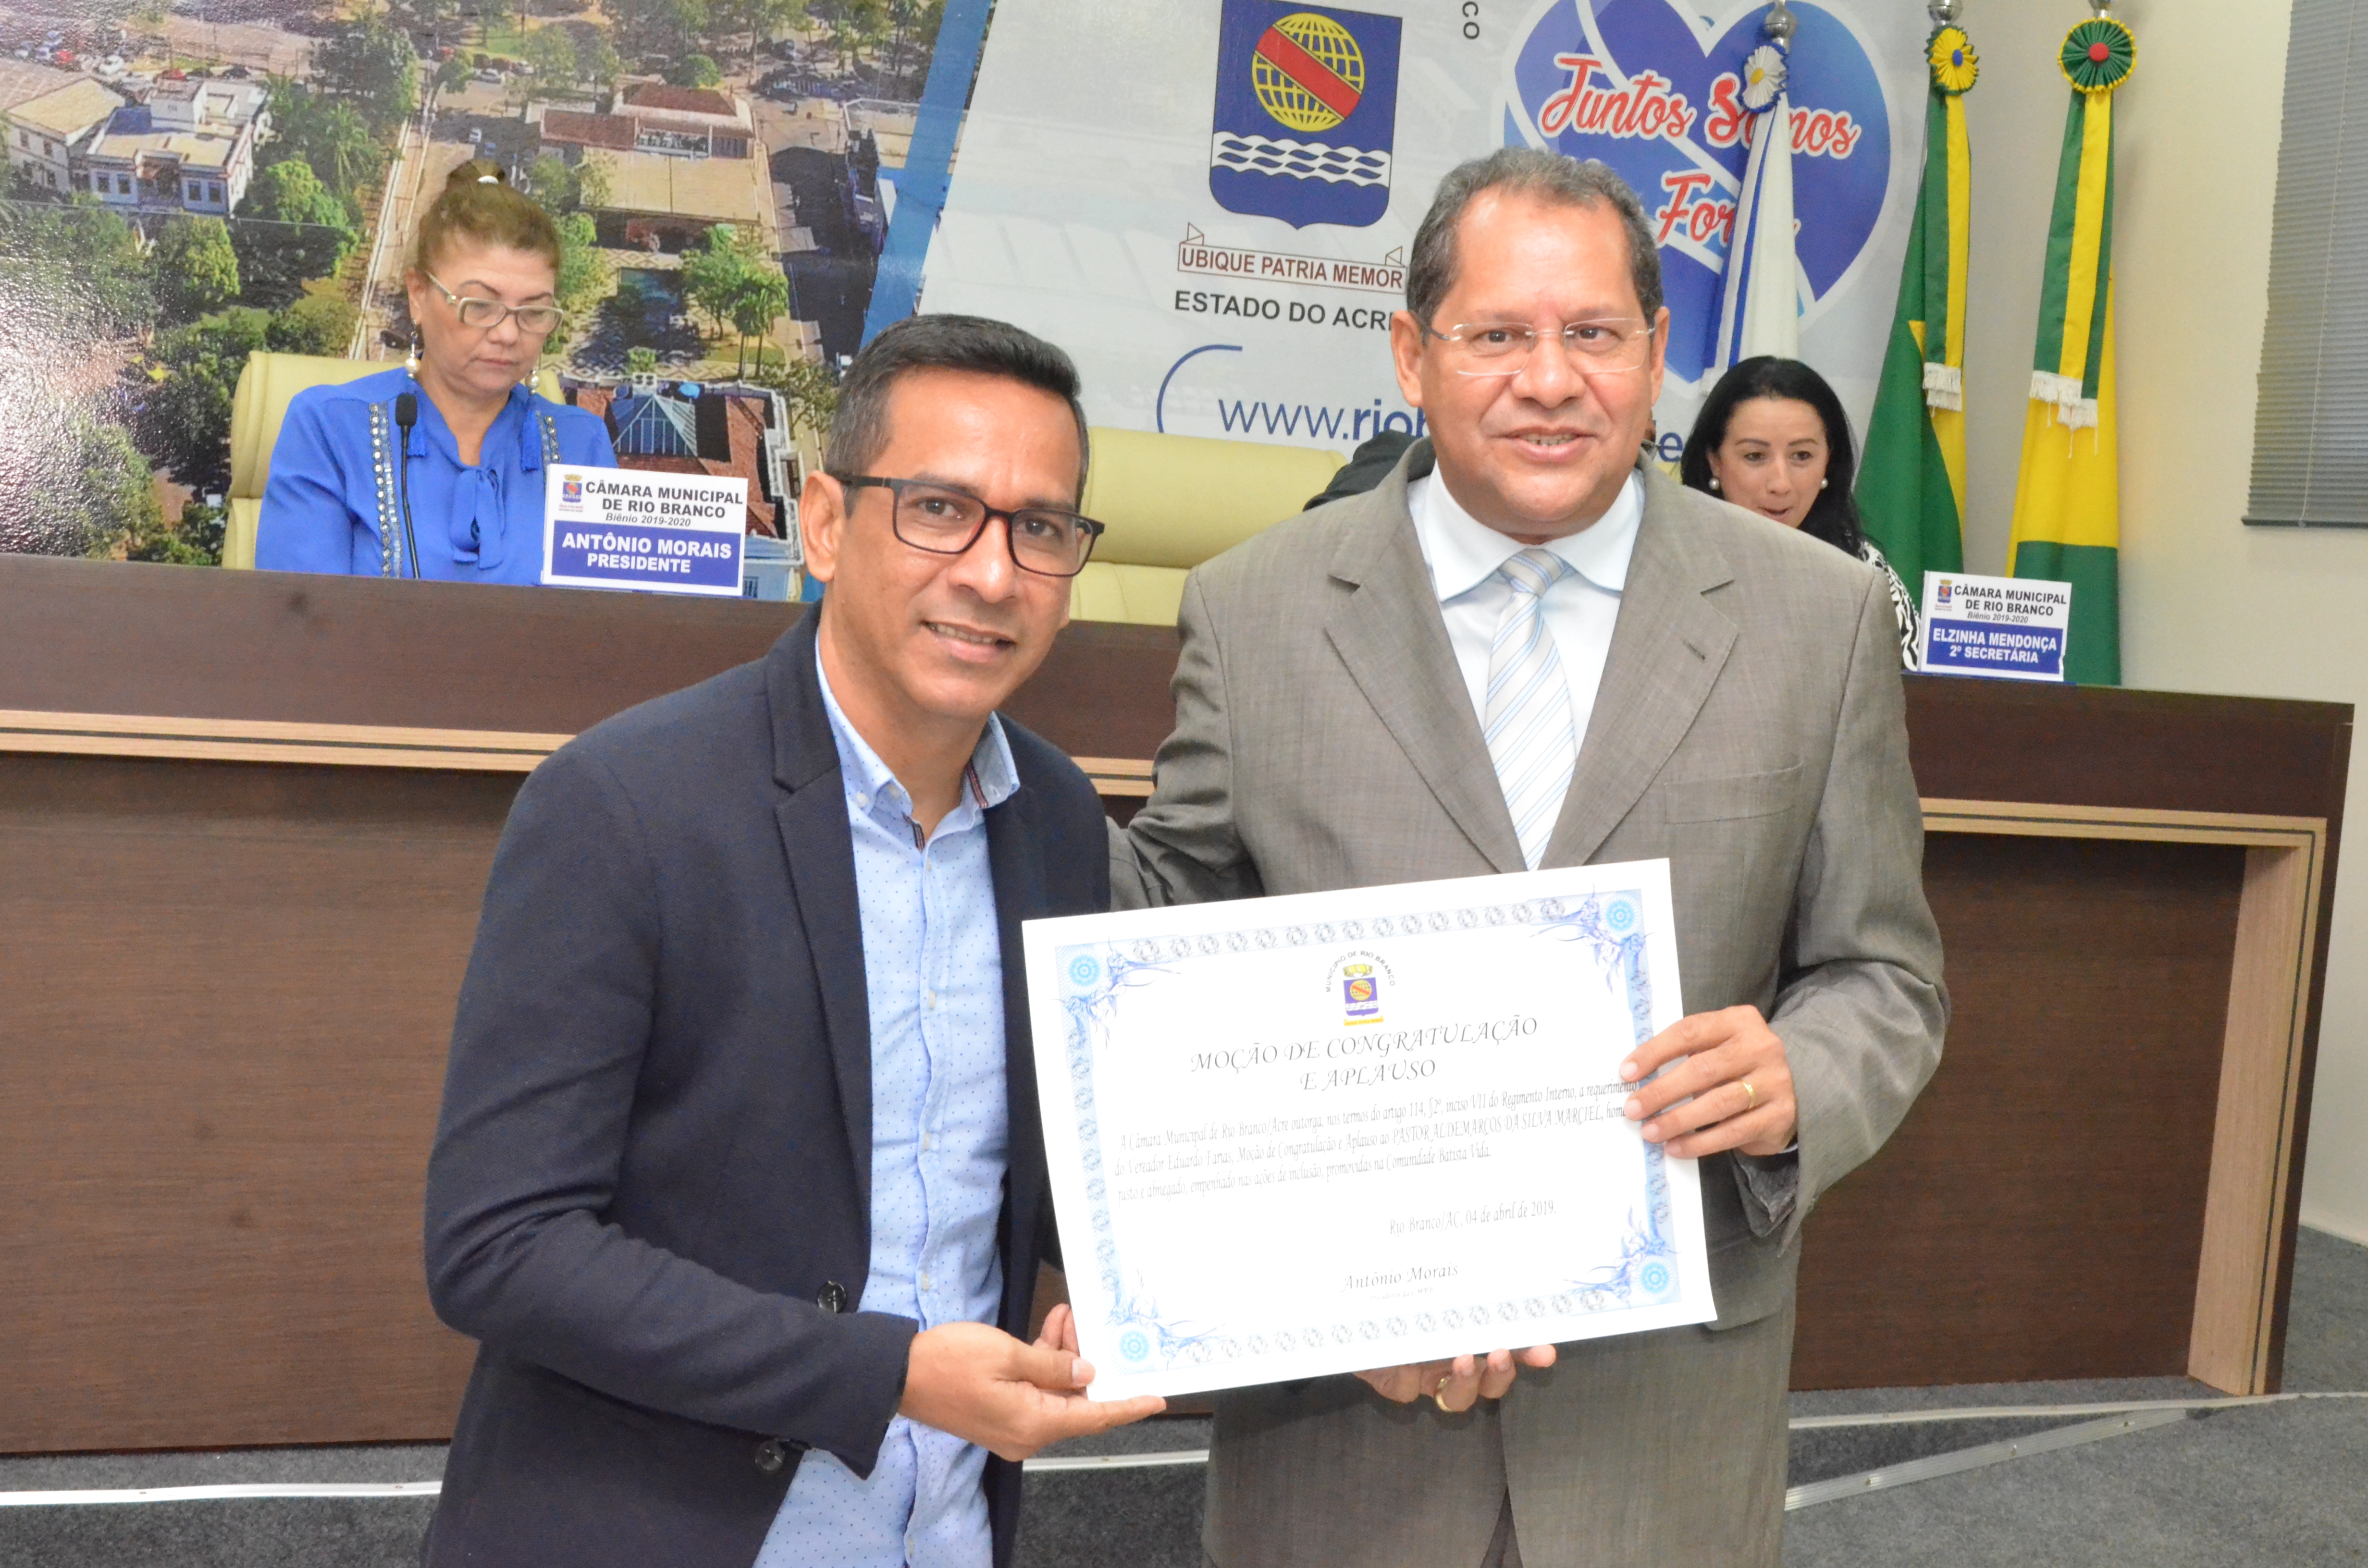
(859, 429)
(1833, 517)
(1525, 171)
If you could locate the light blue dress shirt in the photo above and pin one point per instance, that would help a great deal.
(478, 522)
(940, 1138)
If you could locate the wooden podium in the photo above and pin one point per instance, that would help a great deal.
(246, 819)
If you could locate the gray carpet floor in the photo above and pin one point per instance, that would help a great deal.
(2278, 1485)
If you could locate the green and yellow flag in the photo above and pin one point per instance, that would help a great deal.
(1911, 484)
(2067, 501)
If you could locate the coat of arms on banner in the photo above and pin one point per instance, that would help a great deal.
(1306, 113)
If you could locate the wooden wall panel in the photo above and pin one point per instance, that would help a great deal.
(2039, 1213)
(225, 996)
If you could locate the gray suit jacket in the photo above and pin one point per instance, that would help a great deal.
(1748, 728)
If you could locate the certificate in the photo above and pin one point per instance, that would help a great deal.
(1330, 1131)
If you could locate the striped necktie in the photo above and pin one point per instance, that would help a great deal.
(1527, 720)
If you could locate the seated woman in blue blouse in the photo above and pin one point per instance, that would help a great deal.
(436, 469)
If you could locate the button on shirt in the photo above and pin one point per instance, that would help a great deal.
(940, 1123)
(1465, 554)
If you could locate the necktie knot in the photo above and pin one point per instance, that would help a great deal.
(1535, 569)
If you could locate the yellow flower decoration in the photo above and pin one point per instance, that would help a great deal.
(1954, 64)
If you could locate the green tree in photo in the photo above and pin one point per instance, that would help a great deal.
(321, 323)
(195, 540)
(763, 297)
(641, 360)
(655, 33)
(809, 391)
(591, 186)
(289, 229)
(695, 71)
(855, 26)
(453, 75)
(756, 20)
(596, 61)
(196, 269)
(916, 22)
(291, 192)
(197, 368)
(731, 279)
(563, 187)
(107, 495)
(585, 274)
(329, 135)
(371, 64)
(84, 263)
(551, 57)
(713, 273)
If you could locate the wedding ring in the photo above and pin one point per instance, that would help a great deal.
(1750, 1095)
(1435, 1393)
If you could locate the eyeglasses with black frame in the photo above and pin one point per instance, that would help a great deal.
(943, 521)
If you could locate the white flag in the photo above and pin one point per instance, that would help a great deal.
(1759, 312)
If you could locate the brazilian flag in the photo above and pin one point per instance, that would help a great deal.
(1911, 482)
(2067, 499)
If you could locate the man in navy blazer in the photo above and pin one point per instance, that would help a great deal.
(739, 1181)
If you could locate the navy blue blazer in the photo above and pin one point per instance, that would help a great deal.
(650, 1195)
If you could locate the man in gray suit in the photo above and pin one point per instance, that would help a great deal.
(1528, 648)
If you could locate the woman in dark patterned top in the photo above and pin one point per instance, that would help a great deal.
(1771, 439)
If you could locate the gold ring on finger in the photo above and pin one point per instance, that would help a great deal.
(1750, 1095)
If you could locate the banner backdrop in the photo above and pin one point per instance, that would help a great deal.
(1209, 204)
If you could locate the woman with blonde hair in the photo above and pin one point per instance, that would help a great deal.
(437, 468)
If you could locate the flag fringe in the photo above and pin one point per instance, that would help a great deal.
(1944, 387)
(2046, 386)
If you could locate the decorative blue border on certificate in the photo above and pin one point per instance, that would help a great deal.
(1611, 928)
(1610, 925)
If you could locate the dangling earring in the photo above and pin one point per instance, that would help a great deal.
(1713, 482)
(410, 362)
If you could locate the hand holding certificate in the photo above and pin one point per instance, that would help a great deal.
(1331, 1133)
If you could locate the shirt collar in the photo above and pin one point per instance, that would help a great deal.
(993, 777)
(431, 431)
(1463, 551)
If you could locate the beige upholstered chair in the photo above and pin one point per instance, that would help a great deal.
(1173, 501)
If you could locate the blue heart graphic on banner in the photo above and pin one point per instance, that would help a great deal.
(1642, 91)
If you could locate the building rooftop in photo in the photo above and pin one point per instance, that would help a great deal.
(611, 131)
(657, 432)
(21, 81)
(663, 98)
(196, 102)
(132, 134)
(67, 113)
(714, 190)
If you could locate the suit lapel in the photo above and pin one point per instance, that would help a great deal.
(1390, 635)
(1667, 651)
(820, 849)
(1017, 866)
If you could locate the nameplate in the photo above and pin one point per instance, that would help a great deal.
(2006, 628)
(623, 528)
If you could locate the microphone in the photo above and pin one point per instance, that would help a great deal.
(407, 414)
